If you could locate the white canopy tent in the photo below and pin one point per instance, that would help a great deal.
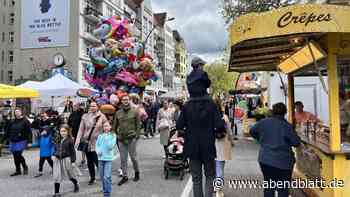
(59, 85)
(31, 84)
(54, 90)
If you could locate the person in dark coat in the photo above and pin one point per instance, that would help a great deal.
(148, 122)
(276, 137)
(18, 132)
(198, 81)
(75, 119)
(154, 114)
(200, 119)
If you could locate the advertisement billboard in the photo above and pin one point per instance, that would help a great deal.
(44, 23)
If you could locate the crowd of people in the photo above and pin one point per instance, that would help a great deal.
(204, 135)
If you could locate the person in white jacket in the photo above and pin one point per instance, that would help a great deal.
(223, 148)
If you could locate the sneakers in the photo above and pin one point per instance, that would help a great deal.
(38, 175)
(120, 172)
(123, 180)
(137, 176)
(57, 195)
(16, 174)
(25, 171)
(82, 164)
(92, 181)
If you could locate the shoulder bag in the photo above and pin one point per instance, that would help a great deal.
(84, 144)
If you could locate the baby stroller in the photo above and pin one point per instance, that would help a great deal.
(175, 161)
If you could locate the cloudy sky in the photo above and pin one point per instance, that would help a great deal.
(199, 23)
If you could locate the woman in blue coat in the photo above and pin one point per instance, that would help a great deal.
(276, 157)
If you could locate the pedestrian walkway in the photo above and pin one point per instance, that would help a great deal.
(244, 166)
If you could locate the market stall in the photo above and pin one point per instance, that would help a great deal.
(9, 92)
(306, 40)
(55, 91)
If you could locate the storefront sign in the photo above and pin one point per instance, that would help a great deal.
(297, 19)
(45, 23)
(303, 18)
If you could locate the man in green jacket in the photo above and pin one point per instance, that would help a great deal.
(126, 124)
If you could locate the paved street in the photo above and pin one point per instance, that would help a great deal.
(243, 166)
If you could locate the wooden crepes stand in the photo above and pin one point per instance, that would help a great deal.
(305, 40)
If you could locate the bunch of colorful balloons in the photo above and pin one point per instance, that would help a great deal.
(118, 62)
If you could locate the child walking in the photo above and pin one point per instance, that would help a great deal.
(106, 151)
(46, 149)
(64, 160)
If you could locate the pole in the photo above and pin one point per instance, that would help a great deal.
(291, 98)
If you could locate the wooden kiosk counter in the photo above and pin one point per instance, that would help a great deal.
(306, 40)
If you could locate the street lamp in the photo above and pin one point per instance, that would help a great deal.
(149, 34)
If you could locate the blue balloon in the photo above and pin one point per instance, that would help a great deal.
(113, 66)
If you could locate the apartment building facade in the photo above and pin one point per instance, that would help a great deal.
(7, 40)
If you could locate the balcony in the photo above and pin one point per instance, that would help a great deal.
(92, 14)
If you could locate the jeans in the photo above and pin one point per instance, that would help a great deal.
(220, 166)
(148, 127)
(197, 176)
(275, 174)
(92, 161)
(106, 177)
(125, 150)
(42, 161)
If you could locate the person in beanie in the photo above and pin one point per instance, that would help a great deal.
(126, 124)
(46, 149)
(200, 119)
(198, 81)
(64, 160)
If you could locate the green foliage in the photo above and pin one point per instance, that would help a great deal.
(231, 9)
(221, 79)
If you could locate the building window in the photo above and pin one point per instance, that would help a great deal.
(116, 2)
(90, 3)
(12, 18)
(5, 3)
(10, 75)
(89, 27)
(3, 37)
(11, 57)
(2, 75)
(12, 37)
(3, 19)
(2, 56)
(13, 3)
(87, 51)
(144, 25)
(109, 12)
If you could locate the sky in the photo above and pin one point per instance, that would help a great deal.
(199, 23)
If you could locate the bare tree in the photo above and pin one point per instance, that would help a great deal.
(231, 9)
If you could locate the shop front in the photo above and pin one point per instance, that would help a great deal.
(306, 41)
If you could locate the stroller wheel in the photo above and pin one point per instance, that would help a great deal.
(166, 174)
(182, 174)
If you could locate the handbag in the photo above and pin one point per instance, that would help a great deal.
(221, 133)
(164, 124)
(84, 144)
